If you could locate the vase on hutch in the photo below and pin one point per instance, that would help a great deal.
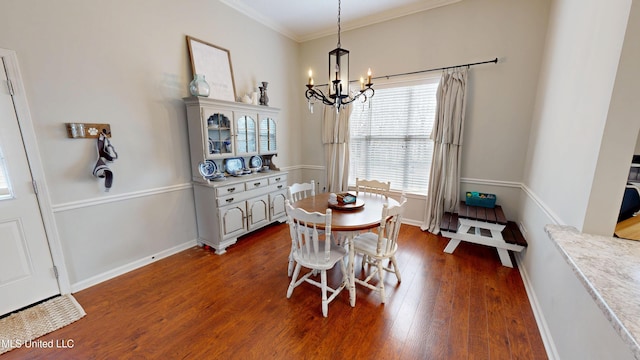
(264, 99)
(198, 86)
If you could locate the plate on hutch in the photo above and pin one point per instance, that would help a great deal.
(255, 162)
(207, 168)
(234, 166)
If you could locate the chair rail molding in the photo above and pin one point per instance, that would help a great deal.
(120, 197)
(550, 213)
(501, 183)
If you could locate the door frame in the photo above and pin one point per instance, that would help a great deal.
(30, 142)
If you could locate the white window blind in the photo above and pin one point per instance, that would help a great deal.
(390, 136)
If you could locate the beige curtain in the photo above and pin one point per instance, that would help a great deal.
(444, 177)
(335, 137)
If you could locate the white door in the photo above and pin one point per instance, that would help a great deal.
(26, 267)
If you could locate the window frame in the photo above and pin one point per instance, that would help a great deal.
(406, 81)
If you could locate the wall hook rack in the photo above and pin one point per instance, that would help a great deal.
(86, 130)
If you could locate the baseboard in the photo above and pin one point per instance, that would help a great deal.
(94, 280)
(547, 340)
(411, 222)
(545, 333)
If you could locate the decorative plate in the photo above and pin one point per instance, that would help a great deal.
(233, 165)
(207, 168)
(255, 162)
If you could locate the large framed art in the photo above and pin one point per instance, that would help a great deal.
(214, 63)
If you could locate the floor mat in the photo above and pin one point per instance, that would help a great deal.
(18, 329)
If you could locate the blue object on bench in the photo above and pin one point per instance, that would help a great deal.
(474, 198)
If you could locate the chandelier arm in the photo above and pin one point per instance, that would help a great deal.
(366, 93)
(318, 95)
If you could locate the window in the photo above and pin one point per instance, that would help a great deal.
(390, 136)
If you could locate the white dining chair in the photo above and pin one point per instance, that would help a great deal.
(299, 191)
(296, 192)
(314, 251)
(373, 187)
(378, 248)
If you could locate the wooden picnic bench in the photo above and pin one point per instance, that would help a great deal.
(484, 226)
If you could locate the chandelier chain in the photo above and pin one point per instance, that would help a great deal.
(339, 6)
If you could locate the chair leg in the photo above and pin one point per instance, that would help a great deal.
(292, 285)
(325, 303)
(395, 268)
(291, 264)
(381, 274)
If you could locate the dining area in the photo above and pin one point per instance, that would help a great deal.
(331, 232)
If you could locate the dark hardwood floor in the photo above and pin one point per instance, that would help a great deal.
(198, 305)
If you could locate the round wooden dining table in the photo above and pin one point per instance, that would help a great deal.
(348, 222)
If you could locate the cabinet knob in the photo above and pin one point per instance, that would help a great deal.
(229, 200)
(277, 179)
(231, 189)
(256, 184)
(280, 186)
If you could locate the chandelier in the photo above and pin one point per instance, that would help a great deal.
(338, 95)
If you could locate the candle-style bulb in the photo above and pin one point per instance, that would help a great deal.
(369, 76)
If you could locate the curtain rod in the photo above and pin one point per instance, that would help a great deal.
(495, 61)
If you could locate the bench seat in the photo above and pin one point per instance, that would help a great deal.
(485, 226)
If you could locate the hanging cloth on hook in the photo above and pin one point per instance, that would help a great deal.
(106, 153)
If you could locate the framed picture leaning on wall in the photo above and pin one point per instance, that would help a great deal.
(215, 64)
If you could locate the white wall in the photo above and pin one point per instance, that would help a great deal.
(575, 127)
(126, 63)
(501, 96)
(576, 82)
(619, 137)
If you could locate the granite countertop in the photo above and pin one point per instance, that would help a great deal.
(616, 289)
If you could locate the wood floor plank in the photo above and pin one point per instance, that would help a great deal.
(458, 344)
(198, 305)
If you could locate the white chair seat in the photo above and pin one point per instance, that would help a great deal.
(367, 244)
(337, 252)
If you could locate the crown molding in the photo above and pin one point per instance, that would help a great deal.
(299, 37)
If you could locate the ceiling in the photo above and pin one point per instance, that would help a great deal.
(303, 20)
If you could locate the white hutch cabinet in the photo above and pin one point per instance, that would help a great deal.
(221, 130)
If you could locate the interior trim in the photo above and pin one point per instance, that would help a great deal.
(545, 333)
(548, 212)
(35, 164)
(512, 184)
(73, 205)
(110, 274)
